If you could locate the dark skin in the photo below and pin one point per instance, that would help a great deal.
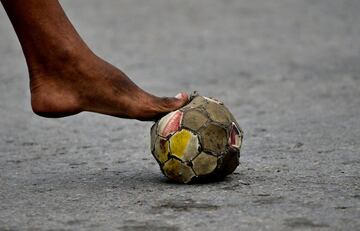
(66, 77)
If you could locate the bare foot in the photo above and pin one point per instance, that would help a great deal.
(66, 77)
(77, 83)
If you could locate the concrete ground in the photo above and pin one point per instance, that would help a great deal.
(288, 69)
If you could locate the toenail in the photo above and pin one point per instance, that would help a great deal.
(179, 96)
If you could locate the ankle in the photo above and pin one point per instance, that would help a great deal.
(60, 57)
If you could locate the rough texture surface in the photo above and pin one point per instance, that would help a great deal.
(287, 69)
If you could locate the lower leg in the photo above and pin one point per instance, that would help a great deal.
(66, 77)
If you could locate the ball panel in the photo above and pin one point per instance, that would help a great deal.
(229, 162)
(161, 151)
(214, 139)
(232, 118)
(153, 135)
(198, 101)
(217, 113)
(213, 100)
(234, 138)
(184, 145)
(194, 119)
(176, 170)
(169, 124)
(204, 164)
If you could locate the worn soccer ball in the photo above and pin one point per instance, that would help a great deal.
(199, 142)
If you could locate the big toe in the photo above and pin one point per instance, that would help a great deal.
(169, 104)
(173, 103)
(161, 106)
(180, 100)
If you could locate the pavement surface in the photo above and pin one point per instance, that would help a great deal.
(289, 70)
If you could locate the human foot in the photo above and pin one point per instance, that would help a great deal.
(87, 83)
(66, 77)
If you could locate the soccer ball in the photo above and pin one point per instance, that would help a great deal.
(198, 142)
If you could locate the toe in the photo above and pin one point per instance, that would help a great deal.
(165, 105)
(182, 98)
(160, 106)
(174, 103)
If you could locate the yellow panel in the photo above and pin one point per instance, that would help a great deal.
(184, 145)
(161, 149)
(179, 142)
(178, 171)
